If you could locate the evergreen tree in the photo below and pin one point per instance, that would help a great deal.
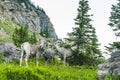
(115, 18)
(33, 39)
(83, 39)
(113, 46)
(20, 36)
(45, 33)
(115, 25)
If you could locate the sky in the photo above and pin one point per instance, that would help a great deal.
(63, 12)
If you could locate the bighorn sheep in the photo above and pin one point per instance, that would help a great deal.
(29, 49)
(63, 52)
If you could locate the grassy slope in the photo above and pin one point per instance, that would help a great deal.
(6, 29)
(49, 72)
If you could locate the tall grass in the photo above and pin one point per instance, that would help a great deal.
(109, 77)
(46, 72)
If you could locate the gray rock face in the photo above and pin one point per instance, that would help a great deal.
(112, 67)
(27, 14)
(115, 63)
(103, 69)
(10, 51)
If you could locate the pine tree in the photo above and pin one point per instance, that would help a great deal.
(20, 36)
(115, 25)
(45, 33)
(115, 18)
(33, 39)
(83, 39)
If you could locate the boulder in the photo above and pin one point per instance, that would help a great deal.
(103, 69)
(112, 67)
(11, 52)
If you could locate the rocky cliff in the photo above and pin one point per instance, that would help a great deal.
(24, 12)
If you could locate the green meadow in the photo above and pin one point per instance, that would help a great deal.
(47, 72)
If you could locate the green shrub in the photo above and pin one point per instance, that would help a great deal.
(33, 39)
(2, 58)
(19, 73)
(109, 77)
(22, 35)
(45, 33)
(46, 72)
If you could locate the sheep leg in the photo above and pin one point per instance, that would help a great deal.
(26, 60)
(21, 57)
